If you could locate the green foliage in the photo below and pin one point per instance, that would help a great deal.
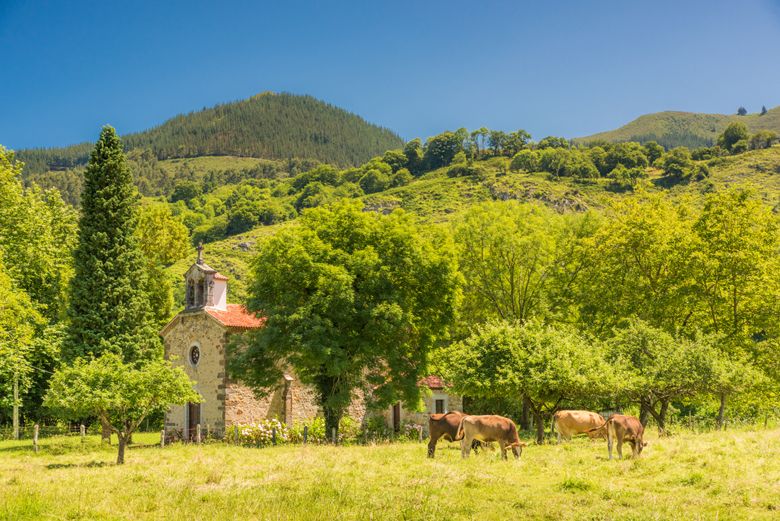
(349, 297)
(122, 395)
(546, 365)
(108, 309)
(37, 234)
(441, 149)
(733, 134)
(676, 163)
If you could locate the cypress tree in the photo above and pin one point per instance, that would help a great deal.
(108, 309)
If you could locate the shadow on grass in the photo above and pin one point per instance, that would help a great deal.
(91, 464)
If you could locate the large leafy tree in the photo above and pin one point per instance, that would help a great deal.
(516, 258)
(351, 298)
(548, 366)
(662, 368)
(122, 395)
(109, 309)
(37, 233)
(163, 239)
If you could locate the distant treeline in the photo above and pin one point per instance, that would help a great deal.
(273, 126)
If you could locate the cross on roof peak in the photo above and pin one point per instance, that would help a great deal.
(200, 253)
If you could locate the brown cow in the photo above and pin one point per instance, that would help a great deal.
(622, 428)
(570, 423)
(489, 428)
(445, 426)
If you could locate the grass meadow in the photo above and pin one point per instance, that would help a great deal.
(718, 475)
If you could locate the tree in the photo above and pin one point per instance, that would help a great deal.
(653, 151)
(163, 239)
(508, 253)
(553, 142)
(741, 111)
(662, 368)
(109, 309)
(396, 159)
(440, 149)
(547, 366)
(37, 234)
(413, 151)
(351, 299)
(763, 110)
(733, 133)
(122, 395)
(639, 264)
(20, 322)
(497, 141)
(676, 163)
(762, 139)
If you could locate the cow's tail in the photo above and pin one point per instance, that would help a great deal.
(459, 435)
(603, 425)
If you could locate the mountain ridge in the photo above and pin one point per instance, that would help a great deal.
(267, 125)
(673, 128)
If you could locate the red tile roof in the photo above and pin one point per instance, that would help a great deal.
(236, 316)
(433, 382)
(219, 276)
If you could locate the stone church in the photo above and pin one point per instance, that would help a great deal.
(196, 340)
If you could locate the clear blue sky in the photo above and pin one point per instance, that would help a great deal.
(570, 67)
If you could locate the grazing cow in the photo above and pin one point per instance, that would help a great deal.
(445, 426)
(570, 423)
(489, 428)
(622, 428)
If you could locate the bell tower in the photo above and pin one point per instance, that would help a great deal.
(205, 287)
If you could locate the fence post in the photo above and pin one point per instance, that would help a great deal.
(82, 432)
(273, 435)
(235, 432)
(419, 428)
(162, 439)
(35, 437)
(333, 435)
(208, 431)
(305, 434)
(197, 434)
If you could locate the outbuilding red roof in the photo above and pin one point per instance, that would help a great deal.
(433, 382)
(236, 316)
(219, 276)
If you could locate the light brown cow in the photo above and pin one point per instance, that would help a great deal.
(622, 428)
(443, 426)
(489, 428)
(571, 423)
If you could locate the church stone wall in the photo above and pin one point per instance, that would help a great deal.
(209, 374)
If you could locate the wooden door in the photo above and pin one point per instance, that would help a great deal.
(397, 417)
(193, 415)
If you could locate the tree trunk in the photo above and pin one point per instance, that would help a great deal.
(525, 421)
(539, 427)
(332, 419)
(722, 412)
(662, 417)
(120, 456)
(644, 412)
(105, 432)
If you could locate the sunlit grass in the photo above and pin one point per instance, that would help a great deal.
(732, 475)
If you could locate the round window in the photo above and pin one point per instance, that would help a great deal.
(194, 355)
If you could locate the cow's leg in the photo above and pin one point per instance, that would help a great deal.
(465, 446)
(502, 446)
(432, 445)
(609, 445)
(475, 446)
(620, 447)
(634, 451)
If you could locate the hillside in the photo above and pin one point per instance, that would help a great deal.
(672, 129)
(269, 125)
(437, 198)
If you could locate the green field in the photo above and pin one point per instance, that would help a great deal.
(731, 475)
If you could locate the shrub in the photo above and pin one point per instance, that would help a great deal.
(465, 170)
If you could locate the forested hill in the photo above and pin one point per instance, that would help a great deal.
(269, 125)
(690, 129)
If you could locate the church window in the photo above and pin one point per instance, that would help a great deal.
(194, 355)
